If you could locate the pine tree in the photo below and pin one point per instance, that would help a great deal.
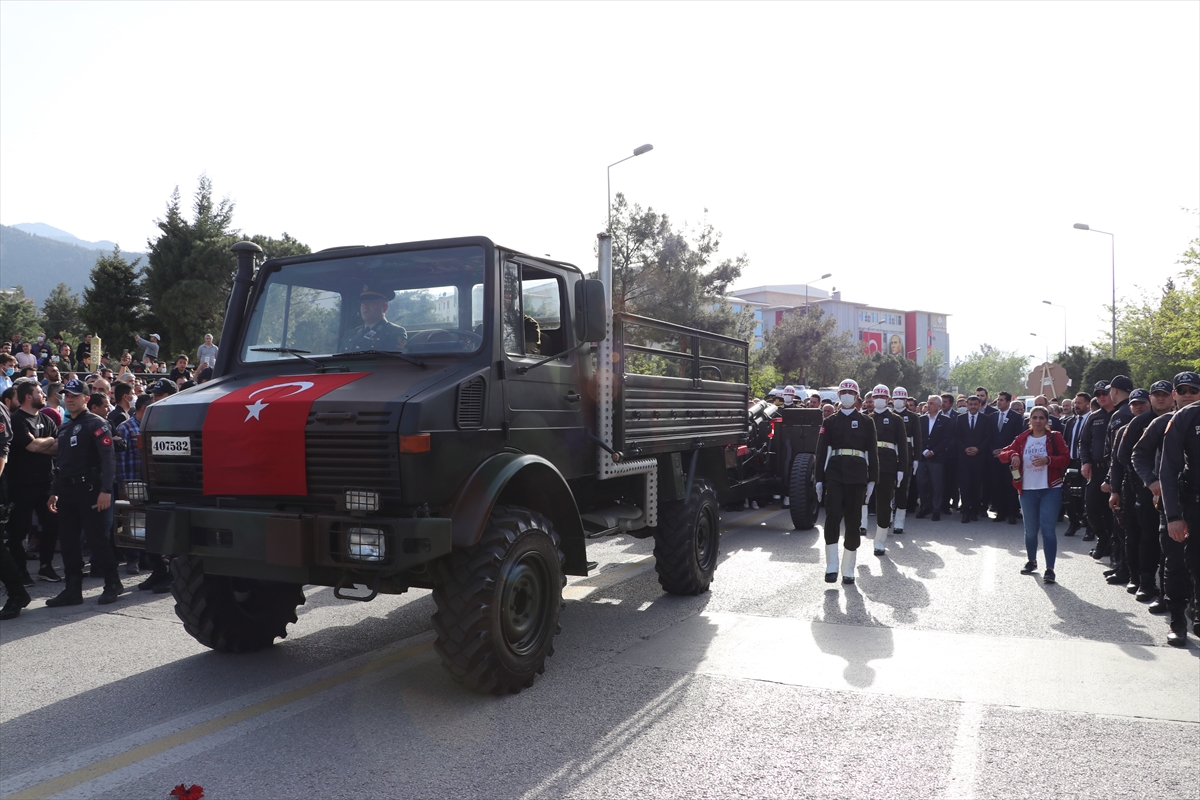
(114, 305)
(61, 312)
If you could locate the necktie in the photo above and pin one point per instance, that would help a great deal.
(972, 422)
(1003, 416)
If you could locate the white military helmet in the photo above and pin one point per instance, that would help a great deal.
(899, 393)
(848, 385)
(880, 391)
(789, 395)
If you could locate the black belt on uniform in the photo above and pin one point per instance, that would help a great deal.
(79, 480)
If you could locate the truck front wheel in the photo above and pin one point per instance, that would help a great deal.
(498, 602)
(688, 541)
(232, 615)
(802, 494)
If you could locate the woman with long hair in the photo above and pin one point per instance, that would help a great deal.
(1038, 458)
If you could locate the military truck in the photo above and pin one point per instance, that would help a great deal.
(474, 453)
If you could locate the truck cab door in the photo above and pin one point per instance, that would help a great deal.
(545, 406)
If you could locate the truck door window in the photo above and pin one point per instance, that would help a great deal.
(532, 312)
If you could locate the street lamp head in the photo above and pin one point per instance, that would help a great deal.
(646, 148)
(826, 275)
(1047, 302)
(1081, 226)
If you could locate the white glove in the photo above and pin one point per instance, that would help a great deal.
(820, 490)
(914, 472)
(899, 478)
(870, 488)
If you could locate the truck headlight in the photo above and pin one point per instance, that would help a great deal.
(366, 544)
(136, 527)
(137, 492)
(361, 501)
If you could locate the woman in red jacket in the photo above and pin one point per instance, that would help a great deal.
(1041, 457)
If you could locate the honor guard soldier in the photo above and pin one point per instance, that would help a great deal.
(914, 439)
(376, 333)
(892, 442)
(847, 468)
(82, 492)
(1179, 474)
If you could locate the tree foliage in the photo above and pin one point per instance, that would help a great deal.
(1104, 369)
(18, 314)
(114, 305)
(673, 275)
(890, 370)
(808, 349)
(190, 270)
(1075, 360)
(62, 313)
(997, 370)
(931, 373)
(286, 245)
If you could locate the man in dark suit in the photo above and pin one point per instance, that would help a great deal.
(938, 434)
(950, 481)
(983, 396)
(1009, 424)
(974, 435)
(1074, 482)
(987, 500)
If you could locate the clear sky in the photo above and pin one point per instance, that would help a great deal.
(930, 155)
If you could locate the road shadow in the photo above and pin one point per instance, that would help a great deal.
(894, 589)
(1081, 619)
(906, 551)
(837, 636)
(35, 620)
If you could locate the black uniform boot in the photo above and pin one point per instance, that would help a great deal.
(16, 601)
(70, 596)
(160, 575)
(113, 588)
(1177, 636)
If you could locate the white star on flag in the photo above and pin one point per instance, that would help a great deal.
(254, 410)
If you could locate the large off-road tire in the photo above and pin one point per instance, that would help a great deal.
(498, 602)
(232, 615)
(802, 493)
(688, 541)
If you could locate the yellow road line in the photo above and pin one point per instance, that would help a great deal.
(108, 765)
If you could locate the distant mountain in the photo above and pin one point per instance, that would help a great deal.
(39, 262)
(51, 232)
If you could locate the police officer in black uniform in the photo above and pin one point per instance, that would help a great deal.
(1094, 469)
(847, 468)
(376, 333)
(1147, 454)
(915, 439)
(1149, 550)
(1119, 389)
(1179, 473)
(1124, 484)
(82, 492)
(892, 442)
(10, 573)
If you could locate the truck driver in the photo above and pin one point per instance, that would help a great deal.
(376, 333)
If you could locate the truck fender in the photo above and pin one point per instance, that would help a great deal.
(525, 480)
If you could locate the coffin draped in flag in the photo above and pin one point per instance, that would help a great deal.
(254, 437)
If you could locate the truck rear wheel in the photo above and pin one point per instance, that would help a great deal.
(688, 541)
(802, 493)
(499, 601)
(232, 615)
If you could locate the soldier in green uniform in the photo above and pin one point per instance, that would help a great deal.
(892, 438)
(376, 333)
(915, 439)
(847, 468)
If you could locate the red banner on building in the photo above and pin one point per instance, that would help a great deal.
(254, 437)
(872, 342)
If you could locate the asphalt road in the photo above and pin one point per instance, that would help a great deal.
(942, 673)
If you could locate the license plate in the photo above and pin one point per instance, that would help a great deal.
(170, 445)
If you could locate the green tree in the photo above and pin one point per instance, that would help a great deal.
(191, 267)
(18, 314)
(113, 306)
(931, 373)
(1075, 360)
(1104, 369)
(1159, 336)
(764, 378)
(62, 312)
(888, 369)
(667, 274)
(286, 245)
(998, 370)
(807, 349)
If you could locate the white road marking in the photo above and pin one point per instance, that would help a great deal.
(987, 571)
(965, 756)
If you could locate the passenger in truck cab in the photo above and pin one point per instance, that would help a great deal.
(376, 333)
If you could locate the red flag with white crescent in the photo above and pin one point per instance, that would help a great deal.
(254, 437)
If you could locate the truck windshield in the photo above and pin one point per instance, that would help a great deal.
(421, 302)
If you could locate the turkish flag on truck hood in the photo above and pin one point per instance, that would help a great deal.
(254, 437)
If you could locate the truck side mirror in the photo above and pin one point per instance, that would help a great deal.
(591, 317)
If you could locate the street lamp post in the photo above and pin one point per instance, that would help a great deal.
(823, 277)
(1113, 242)
(1064, 310)
(637, 151)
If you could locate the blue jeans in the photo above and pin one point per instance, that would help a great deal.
(1039, 508)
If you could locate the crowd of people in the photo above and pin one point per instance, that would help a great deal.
(69, 426)
(1122, 465)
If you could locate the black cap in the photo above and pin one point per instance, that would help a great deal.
(1101, 386)
(1122, 382)
(163, 386)
(1139, 394)
(1187, 379)
(1160, 386)
(76, 386)
(369, 292)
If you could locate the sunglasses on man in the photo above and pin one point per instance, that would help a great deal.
(1185, 389)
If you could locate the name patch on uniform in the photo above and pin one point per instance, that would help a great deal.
(170, 445)
(73, 437)
(99, 432)
(887, 421)
(853, 423)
